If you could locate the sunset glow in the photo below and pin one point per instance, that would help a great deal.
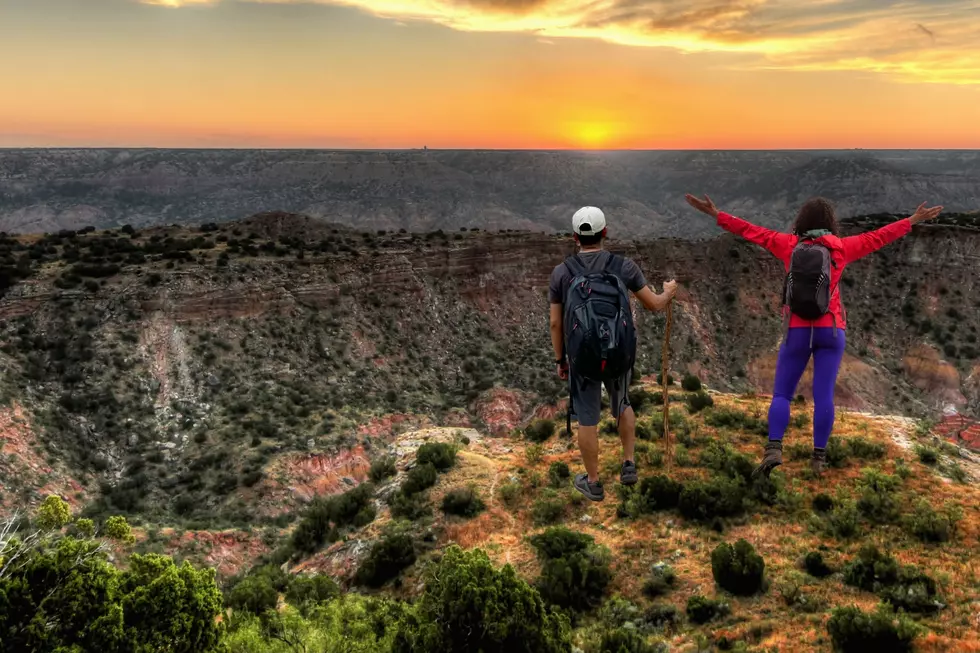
(491, 73)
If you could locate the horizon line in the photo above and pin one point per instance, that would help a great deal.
(484, 149)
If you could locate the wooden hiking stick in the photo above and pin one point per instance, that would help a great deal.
(664, 367)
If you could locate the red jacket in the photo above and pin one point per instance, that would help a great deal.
(843, 251)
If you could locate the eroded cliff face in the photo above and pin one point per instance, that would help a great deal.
(912, 308)
(187, 375)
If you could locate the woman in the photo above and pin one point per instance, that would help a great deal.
(824, 337)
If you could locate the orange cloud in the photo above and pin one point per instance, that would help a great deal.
(925, 41)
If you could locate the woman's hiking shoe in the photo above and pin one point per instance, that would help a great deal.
(772, 459)
(628, 475)
(819, 461)
(592, 491)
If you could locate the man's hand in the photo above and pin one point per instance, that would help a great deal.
(562, 369)
(922, 214)
(704, 206)
(670, 288)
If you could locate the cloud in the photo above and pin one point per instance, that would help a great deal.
(880, 36)
(179, 3)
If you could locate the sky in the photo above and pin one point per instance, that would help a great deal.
(502, 74)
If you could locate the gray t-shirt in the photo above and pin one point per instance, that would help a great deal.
(561, 277)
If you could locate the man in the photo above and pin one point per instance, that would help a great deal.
(589, 228)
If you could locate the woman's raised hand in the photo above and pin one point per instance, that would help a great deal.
(923, 214)
(703, 205)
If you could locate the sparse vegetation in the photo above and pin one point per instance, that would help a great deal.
(855, 631)
(539, 430)
(660, 581)
(463, 502)
(574, 570)
(691, 383)
(440, 455)
(932, 526)
(386, 560)
(815, 565)
(698, 401)
(382, 468)
(738, 569)
(701, 609)
(715, 497)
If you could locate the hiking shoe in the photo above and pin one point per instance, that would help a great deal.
(628, 475)
(592, 491)
(772, 459)
(818, 463)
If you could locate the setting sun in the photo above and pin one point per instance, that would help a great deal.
(592, 134)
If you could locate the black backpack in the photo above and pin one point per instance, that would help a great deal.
(807, 288)
(600, 339)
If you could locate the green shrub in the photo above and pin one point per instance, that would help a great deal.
(904, 588)
(738, 569)
(469, 605)
(733, 419)
(865, 449)
(658, 493)
(723, 458)
(701, 609)
(409, 506)
(691, 383)
(325, 518)
(419, 478)
(815, 565)
(716, 497)
(640, 398)
(660, 379)
(539, 430)
(533, 454)
(931, 526)
(558, 474)
(645, 432)
(463, 502)
(386, 560)
(574, 571)
(549, 509)
(837, 453)
(382, 468)
(698, 401)
(854, 631)
(927, 455)
(660, 581)
(660, 615)
(256, 593)
(823, 502)
(878, 500)
(790, 587)
(510, 493)
(624, 640)
(844, 521)
(871, 569)
(307, 591)
(440, 455)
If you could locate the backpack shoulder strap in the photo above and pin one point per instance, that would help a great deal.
(614, 265)
(575, 265)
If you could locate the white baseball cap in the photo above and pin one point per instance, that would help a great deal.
(588, 221)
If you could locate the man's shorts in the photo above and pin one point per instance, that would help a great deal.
(587, 398)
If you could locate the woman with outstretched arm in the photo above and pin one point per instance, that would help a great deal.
(816, 320)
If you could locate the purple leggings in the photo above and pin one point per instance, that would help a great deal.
(794, 354)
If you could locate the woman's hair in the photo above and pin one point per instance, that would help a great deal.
(816, 213)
